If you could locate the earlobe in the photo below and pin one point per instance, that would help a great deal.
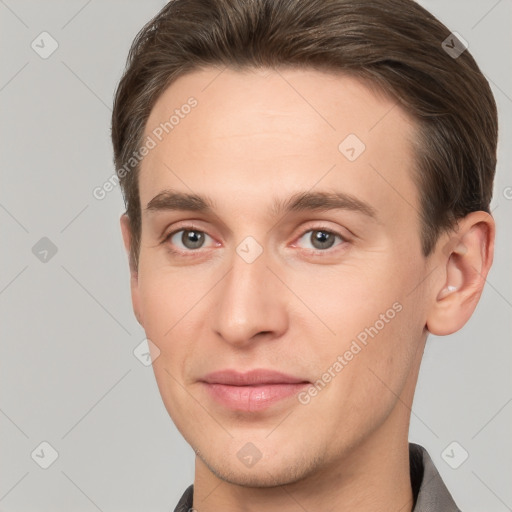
(465, 261)
(134, 277)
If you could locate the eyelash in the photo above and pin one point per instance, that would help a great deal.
(192, 252)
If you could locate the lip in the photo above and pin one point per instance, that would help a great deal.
(251, 391)
(256, 377)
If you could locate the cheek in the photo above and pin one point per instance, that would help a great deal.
(165, 297)
(346, 299)
(377, 324)
(156, 302)
(173, 307)
(370, 375)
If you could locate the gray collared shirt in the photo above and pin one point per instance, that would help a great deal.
(430, 493)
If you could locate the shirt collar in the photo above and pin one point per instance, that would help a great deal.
(430, 492)
(432, 496)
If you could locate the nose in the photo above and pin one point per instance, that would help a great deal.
(250, 303)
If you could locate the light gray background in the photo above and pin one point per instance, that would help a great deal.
(68, 373)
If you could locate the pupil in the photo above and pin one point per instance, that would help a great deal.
(324, 239)
(195, 238)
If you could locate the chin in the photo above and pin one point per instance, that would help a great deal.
(264, 473)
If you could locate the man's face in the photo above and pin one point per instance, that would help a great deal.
(333, 297)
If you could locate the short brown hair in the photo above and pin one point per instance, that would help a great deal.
(396, 45)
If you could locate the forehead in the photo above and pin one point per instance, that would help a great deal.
(268, 133)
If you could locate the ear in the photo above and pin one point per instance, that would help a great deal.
(126, 231)
(465, 260)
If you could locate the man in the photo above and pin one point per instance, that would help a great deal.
(307, 186)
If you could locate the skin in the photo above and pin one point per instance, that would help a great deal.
(253, 136)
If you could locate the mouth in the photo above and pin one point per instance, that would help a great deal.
(252, 391)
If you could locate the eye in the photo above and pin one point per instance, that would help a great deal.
(321, 239)
(189, 237)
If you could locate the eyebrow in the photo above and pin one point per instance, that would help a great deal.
(169, 200)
